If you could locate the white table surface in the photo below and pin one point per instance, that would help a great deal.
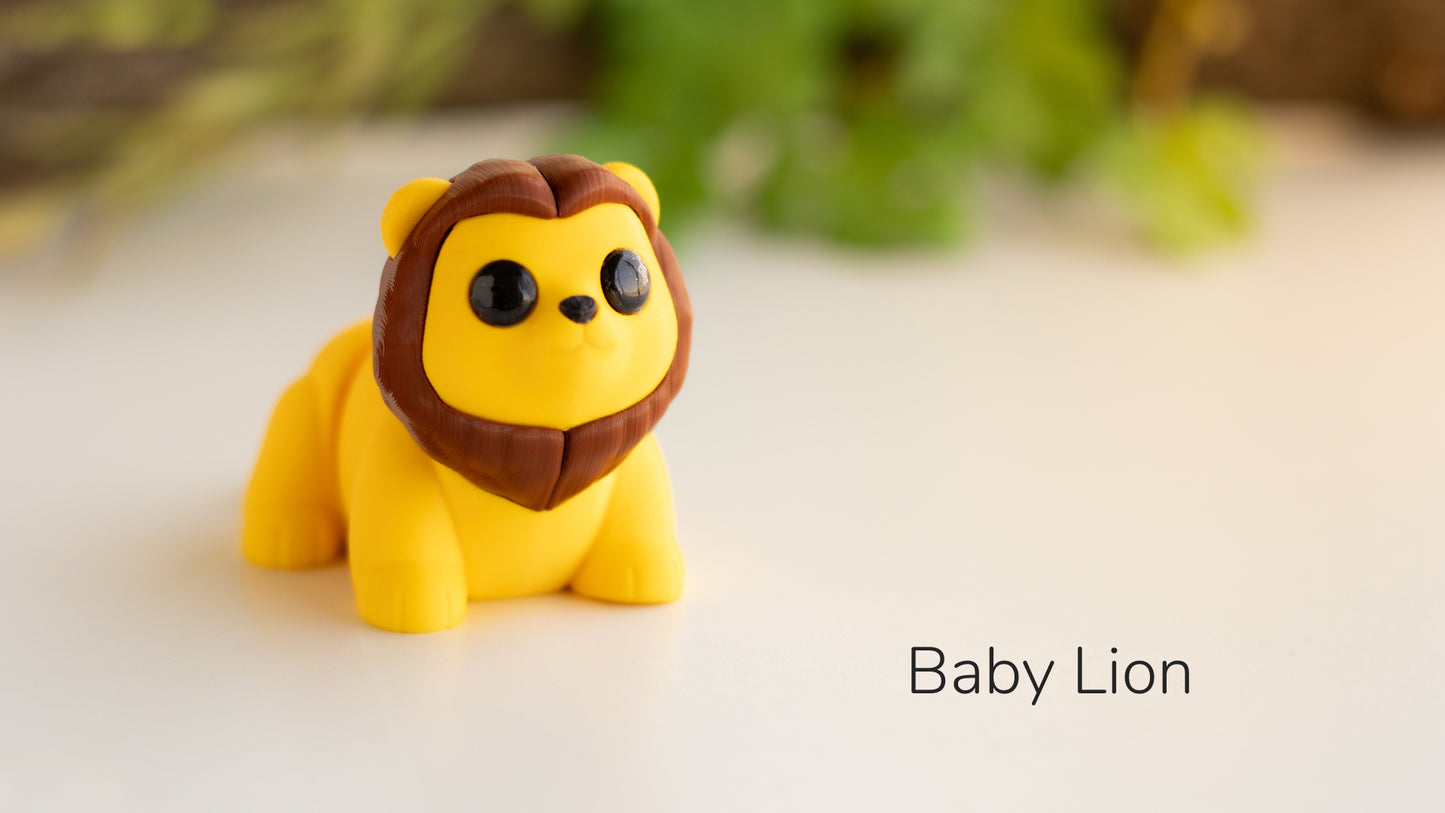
(1051, 440)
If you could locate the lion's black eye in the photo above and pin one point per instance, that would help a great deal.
(503, 293)
(625, 281)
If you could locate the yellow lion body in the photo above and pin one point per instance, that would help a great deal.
(340, 474)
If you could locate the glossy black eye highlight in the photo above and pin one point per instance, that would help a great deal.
(503, 293)
(625, 281)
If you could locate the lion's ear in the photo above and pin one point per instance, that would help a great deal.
(406, 207)
(639, 181)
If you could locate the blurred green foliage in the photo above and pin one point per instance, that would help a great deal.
(861, 120)
(312, 60)
(1185, 177)
(865, 119)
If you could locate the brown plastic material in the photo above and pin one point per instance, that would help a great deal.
(533, 466)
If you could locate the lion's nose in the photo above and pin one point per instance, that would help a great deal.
(579, 309)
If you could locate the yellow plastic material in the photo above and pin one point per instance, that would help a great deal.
(338, 473)
(406, 207)
(639, 181)
(546, 371)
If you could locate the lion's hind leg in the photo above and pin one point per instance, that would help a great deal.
(292, 517)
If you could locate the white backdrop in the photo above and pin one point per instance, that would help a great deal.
(1052, 440)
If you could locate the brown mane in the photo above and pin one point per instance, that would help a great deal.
(533, 466)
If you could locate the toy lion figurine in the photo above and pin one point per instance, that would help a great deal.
(488, 433)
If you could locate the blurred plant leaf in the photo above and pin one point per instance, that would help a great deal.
(122, 25)
(1185, 176)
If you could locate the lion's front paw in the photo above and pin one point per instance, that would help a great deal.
(635, 573)
(290, 539)
(411, 598)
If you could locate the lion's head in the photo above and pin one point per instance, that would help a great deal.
(532, 325)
